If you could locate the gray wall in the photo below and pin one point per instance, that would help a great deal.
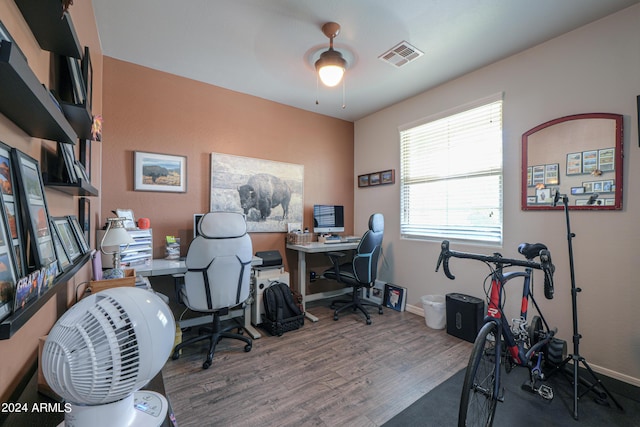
(593, 69)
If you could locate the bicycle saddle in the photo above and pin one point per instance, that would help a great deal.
(531, 250)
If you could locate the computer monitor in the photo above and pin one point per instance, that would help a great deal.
(328, 219)
(196, 220)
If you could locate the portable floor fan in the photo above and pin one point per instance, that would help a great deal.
(103, 350)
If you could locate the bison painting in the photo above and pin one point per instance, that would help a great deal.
(264, 192)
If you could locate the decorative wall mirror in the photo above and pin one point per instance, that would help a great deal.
(579, 156)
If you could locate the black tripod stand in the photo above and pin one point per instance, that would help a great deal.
(597, 386)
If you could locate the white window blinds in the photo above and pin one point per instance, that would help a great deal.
(451, 176)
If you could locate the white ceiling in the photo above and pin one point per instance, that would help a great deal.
(267, 48)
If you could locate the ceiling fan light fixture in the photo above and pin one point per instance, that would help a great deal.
(331, 65)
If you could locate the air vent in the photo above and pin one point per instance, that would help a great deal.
(401, 54)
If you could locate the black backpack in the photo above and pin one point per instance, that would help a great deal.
(281, 313)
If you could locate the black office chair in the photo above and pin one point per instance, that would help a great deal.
(362, 271)
(217, 278)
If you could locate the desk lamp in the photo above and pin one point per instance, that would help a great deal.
(114, 236)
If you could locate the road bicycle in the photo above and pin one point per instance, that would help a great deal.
(500, 343)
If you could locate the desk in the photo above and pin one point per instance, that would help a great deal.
(165, 267)
(311, 248)
(177, 268)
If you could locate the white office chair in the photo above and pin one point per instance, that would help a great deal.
(217, 279)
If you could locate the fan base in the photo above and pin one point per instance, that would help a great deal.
(141, 409)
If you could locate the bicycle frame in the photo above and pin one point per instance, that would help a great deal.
(520, 355)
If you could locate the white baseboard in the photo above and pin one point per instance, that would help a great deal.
(616, 375)
(415, 310)
(599, 369)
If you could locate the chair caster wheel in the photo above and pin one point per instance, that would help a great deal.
(206, 365)
(247, 348)
(176, 355)
(368, 321)
(335, 317)
(380, 311)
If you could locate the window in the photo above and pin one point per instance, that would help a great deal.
(451, 175)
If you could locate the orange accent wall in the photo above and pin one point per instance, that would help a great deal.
(148, 110)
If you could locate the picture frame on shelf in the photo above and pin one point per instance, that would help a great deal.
(63, 259)
(8, 272)
(87, 76)
(65, 151)
(543, 196)
(159, 172)
(77, 81)
(34, 207)
(577, 191)
(81, 173)
(11, 207)
(84, 217)
(85, 156)
(67, 237)
(79, 233)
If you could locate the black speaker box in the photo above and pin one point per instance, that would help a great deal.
(464, 316)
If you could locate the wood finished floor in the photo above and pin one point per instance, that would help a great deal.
(329, 373)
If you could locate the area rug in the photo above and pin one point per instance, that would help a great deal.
(521, 408)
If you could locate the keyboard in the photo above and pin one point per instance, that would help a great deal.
(333, 241)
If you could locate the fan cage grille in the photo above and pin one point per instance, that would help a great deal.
(92, 356)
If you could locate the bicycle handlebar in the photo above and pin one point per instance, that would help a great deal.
(530, 251)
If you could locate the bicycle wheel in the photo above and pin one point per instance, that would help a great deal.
(478, 403)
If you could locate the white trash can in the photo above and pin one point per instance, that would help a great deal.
(435, 311)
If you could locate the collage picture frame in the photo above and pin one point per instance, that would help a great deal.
(377, 178)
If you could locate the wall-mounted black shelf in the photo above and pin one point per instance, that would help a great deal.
(79, 117)
(80, 188)
(26, 102)
(52, 29)
(10, 325)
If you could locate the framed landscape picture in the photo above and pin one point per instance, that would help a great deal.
(159, 172)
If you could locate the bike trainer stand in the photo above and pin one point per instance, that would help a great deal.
(597, 386)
